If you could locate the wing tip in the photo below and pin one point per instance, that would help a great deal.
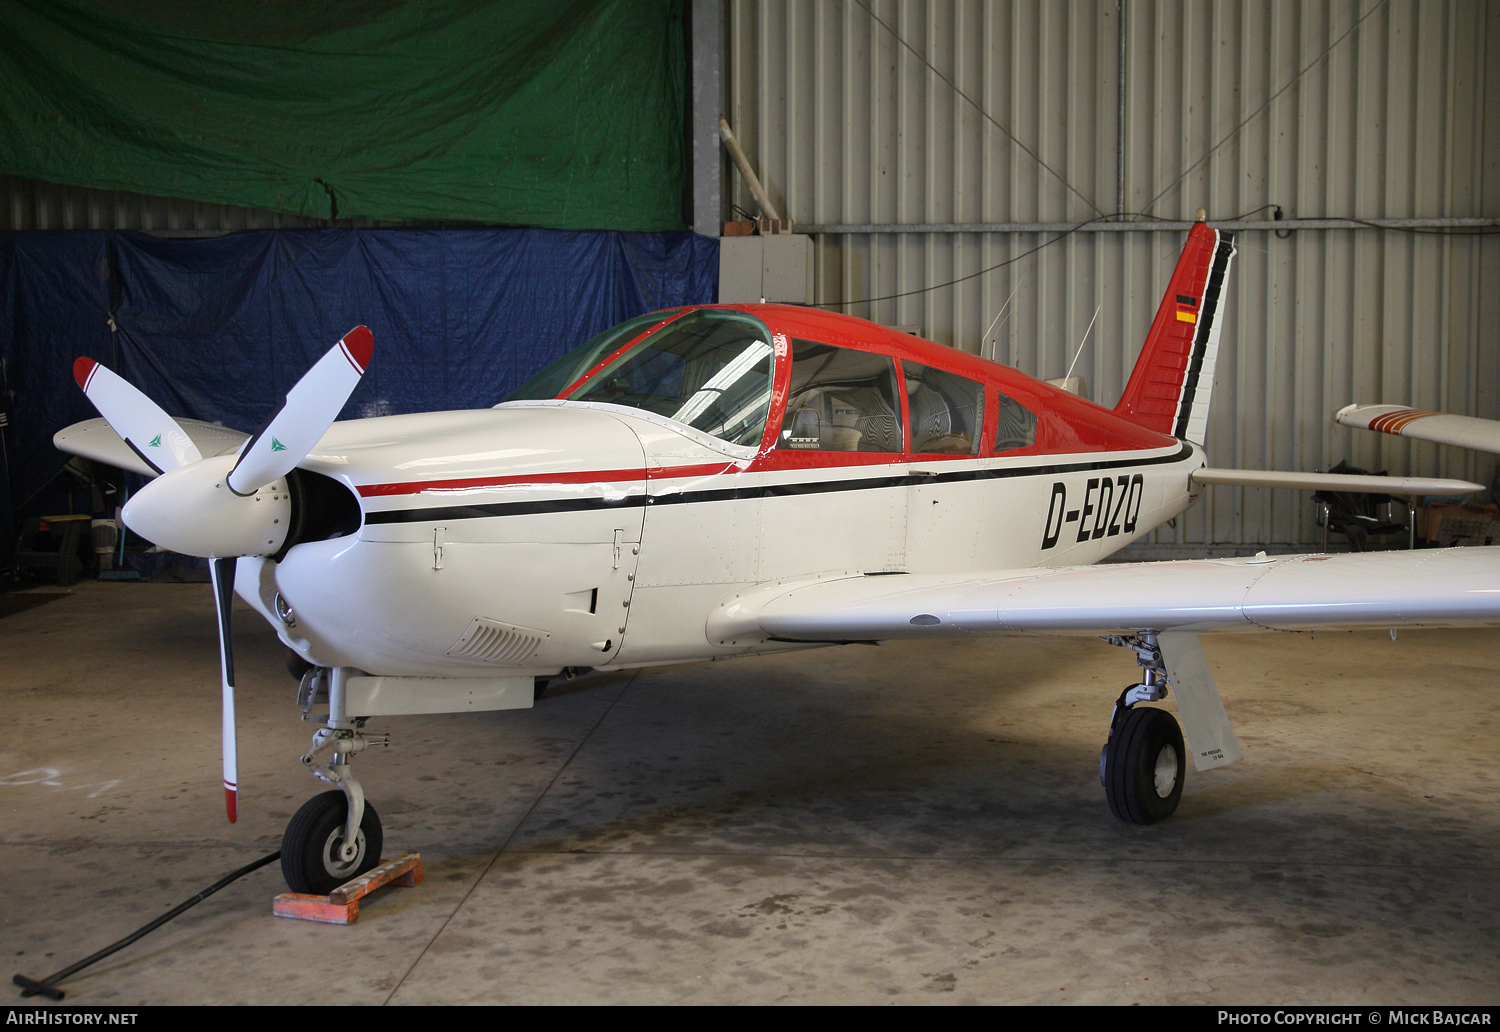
(360, 344)
(83, 369)
(231, 803)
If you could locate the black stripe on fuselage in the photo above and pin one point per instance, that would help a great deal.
(471, 512)
(1207, 313)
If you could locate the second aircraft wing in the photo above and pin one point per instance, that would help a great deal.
(1462, 431)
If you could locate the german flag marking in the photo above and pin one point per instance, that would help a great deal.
(1187, 317)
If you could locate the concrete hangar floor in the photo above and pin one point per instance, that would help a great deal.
(912, 824)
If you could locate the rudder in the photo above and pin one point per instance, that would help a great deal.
(1171, 385)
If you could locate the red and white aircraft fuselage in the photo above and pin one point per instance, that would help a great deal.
(608, 537)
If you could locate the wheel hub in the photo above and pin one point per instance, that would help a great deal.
(337, 855)
(1166, 771)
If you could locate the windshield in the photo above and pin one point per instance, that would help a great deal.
(552, 380)
(709, 369)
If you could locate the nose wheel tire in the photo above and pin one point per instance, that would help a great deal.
(1143, 766)
(311, 848)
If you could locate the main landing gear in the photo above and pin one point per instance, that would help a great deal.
(336, 836)
(1143, 764)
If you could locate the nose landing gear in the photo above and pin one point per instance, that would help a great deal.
(316, 855)
(335, 836)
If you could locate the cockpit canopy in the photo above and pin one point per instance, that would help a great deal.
(713, 369)
(710, 369)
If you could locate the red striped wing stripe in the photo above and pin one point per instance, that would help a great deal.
(1393, 422)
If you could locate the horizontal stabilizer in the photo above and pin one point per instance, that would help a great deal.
(96, 439)
(1439, 427)
(1453, 587)
(1335, 482)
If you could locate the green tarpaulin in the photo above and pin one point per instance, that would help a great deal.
(554, 114)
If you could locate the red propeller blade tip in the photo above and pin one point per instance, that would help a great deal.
(359, 344)
(83, 368)
(231, 804)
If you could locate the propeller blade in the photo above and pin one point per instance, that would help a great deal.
(222, 572)
(150, 432)
(309, 410)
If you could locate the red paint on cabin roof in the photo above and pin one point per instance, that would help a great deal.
(1067, 422)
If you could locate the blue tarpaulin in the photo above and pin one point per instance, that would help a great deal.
(220, 329)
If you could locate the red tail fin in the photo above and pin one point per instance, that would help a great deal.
(1170, 387)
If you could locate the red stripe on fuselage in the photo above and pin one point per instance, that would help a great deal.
(771, 462)
(593, 476)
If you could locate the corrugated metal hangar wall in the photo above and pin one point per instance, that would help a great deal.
(896, 130)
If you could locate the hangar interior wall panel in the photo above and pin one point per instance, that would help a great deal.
(869, 111)
(34, 205)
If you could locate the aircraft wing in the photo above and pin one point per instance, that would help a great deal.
(1462, 431)
(1430, 587)
(95, 439)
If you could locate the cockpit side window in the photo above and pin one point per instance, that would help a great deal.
(947, 411)
(841, 400)
(711, 369)
(1015, 426)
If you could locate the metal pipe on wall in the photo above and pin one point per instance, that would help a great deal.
(1150, 227)
(751, 180)
(1120, 109)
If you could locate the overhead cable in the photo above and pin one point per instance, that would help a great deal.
(953, 86)
(1231, 134)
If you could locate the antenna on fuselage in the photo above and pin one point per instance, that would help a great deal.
(997, 319)
(1070, 383)
(1077, 354)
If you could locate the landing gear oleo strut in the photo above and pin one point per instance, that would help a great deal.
(335, 836)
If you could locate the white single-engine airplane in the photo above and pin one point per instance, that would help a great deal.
(727, 480)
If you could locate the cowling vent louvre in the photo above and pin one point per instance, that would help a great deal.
(502, 644)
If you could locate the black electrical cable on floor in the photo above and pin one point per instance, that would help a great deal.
(48, 986)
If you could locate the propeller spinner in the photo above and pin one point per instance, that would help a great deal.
(225, 506)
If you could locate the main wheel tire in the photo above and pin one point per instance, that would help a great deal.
(309, 848)
(1144, 766)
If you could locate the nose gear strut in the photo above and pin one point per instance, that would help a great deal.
(340, 739)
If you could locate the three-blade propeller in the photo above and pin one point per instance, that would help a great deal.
(185, 508)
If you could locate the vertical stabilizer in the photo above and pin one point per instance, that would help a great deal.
(1172, 382)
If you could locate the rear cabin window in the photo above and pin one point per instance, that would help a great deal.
(946, 410)
(841, 400)
(1015, 426)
